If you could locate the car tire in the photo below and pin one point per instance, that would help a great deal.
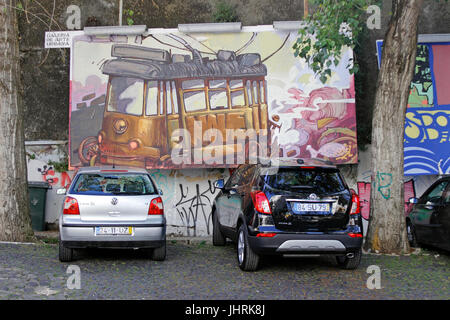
(218, 238)
(65, 254)
(350, 263)
(159, 254)
(412, 237)
(247, 259)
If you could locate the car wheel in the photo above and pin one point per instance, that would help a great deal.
(412, 238)
(350, 263)
(218, 238)
(247, 259)
(65, 254)
(159, 254)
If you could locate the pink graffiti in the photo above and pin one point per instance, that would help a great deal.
(51, 178)
(364, 196)
(325, 123)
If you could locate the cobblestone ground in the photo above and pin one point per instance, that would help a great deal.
(201, 271)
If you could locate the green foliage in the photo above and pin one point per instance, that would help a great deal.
(60, 166)
(129, 14)
(224, 12)
(31, 156)
(333, 25)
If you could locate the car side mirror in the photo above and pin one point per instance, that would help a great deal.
(61, 191)
(160, 192)
(219, 184)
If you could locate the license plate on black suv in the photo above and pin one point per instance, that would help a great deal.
(308, 207)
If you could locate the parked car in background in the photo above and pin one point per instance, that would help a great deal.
(298, 207)
(428, 221)
(112, 207)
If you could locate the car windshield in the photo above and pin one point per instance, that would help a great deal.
(126, 95)
(117, 184)
(317, 180)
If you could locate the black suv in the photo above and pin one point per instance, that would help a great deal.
(296, 207)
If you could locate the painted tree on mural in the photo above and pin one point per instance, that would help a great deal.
(15, 221)
(336, 24)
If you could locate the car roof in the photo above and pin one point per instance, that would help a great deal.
(301, 162)
(117, 169)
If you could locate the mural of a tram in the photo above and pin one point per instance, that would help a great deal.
(151, 93)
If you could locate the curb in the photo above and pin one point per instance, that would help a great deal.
(54, 235)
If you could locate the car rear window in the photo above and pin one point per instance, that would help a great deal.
(319, 180)
(117, 184)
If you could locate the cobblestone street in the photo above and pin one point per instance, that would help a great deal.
(201, 271)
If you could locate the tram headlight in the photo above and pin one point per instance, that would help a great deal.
(100, 138)
(133, 144)
(120, 126)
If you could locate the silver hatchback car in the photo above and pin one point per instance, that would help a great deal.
(112, 207)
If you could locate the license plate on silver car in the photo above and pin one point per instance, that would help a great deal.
(113, 231)
(310, 207)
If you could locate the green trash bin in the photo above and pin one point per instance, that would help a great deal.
(37, 193)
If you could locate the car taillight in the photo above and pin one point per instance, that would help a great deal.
(266, 235)
(261, 202)
(71, 206)
(355, 235)
(156, 207)
(356, 207)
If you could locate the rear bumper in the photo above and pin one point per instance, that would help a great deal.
(83, 236)
(295, 243)
(113, 244)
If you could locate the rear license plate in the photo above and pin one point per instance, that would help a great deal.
(299, 207)
(99, 231)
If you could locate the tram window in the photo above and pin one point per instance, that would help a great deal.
(249, 92)
(218, 99)
(162, 101)
(174, 97)
(126, 95)
(255, 92)
(237, 98)
(218, 84)
(194, 100)
(234, 84)
(193, 84)
(262, 89)
(168, 98)
(152, 98)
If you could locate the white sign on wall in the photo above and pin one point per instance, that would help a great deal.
(58, 39)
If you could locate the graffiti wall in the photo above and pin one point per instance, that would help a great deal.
(188, 196)
(43, 159)
(171, 100)
(427, 126)
(358, 178)
(187, 193)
